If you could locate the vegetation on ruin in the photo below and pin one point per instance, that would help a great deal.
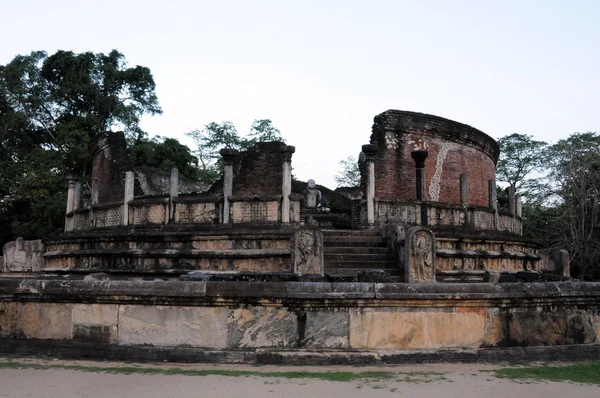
(579, 373)
(215, 136)
(50, 108)
(560, 184)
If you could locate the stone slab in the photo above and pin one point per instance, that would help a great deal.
(173, 326)
(35, 320)
(95, 314)
(394, 328)
(256, 327)
(326, 329)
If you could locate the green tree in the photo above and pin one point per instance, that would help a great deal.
(50, 107)
(349, 175)
(520, 157)
(216, 136)
(164, 154)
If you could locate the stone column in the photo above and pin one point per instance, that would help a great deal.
(286, 185)
(518, 206)
(71, 187)
(511, 200)
(370, 151)
(229, 156)
(492, 195)
(128, 195)
(419, 158)
(493, 201)
(463, 190)
(173, 192)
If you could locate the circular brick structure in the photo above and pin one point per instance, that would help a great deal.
(454, 149)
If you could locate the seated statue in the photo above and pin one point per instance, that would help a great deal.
(313, 197)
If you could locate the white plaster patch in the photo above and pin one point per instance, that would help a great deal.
(434, 187)
(391, 140)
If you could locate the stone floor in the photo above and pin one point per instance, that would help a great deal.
(439, 380)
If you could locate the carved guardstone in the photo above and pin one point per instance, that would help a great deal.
(308, 251)
(419, 252)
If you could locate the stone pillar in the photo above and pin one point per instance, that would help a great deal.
(71, 187)
(419, 158)
(77, 195)
(286, 185)
(492, 194)
(493, 201)
(173, 192)
(229, 156)
(370, 150)
(511, 200)
(464, 188)
(128, 195)
(518, 206)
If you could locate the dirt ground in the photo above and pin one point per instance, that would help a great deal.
(436, 380)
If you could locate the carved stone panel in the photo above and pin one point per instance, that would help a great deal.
(307, 251)
(419, 264)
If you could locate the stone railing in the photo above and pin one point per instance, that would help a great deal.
(149, 211)
(198, 209)
(445, 215)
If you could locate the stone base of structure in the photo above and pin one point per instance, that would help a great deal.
(292, 322)
(296, 357)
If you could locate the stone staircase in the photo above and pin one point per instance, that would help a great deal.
(348, 252)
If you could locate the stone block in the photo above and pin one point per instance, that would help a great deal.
(419, 252)
(23, 256)
(417, 328)
(259, 327)
(95, 314)
(173, 326)
(326, 329)
(308, 251)
(35, 320)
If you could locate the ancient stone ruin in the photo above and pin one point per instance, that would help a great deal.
(422, 255)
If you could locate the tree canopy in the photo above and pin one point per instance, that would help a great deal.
(50, 108)
(215, 136)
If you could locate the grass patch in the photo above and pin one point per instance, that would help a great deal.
(588, 373)
(328, 376)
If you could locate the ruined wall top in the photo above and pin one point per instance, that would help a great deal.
(415, 122)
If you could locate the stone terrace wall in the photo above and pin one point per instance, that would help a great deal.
(221, 316)
(454, 149)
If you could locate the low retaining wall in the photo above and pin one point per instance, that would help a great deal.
(239, 321)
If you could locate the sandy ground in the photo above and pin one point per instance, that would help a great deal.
(440, 380)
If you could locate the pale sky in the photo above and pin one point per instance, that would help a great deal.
(321, 70)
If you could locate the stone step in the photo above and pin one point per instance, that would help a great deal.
(394, 272)
(358, 257)
(350, 232)
(361, 265)
(359, 250)
(353, 241)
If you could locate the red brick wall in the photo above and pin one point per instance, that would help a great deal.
(259, 171)
(454, 149)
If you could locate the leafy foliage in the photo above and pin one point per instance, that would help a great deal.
(349, 175)
(520, 157)
(216, 136)
(50, 108)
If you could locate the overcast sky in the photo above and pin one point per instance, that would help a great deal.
(321, 70)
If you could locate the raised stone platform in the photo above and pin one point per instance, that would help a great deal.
(282, 321)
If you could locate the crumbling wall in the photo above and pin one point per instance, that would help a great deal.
(259, 170)
(23, 256)
(454, 149)
(151, 182)
(110, 161)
